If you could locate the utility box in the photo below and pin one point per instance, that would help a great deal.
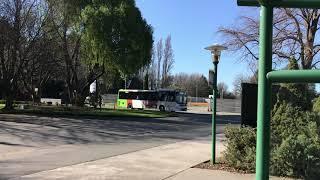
(249, 104)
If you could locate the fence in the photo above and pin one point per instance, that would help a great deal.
(223, 105)
(109, 100)
(229, 105)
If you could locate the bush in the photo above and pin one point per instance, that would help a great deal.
(288, 120)
(316, 105)
(295, 134)
(295, 144)
(297, 156)
(241, 148)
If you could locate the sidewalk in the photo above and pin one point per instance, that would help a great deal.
(170, 162)
(155, 163)
(204, 174)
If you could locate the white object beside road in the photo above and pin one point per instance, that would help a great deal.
(50, 101)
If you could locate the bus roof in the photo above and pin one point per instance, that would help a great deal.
(136, 90)
(140, 90)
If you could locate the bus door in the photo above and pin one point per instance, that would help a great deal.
(171, 100)
(137, 101)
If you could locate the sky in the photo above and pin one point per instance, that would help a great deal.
(193, 25)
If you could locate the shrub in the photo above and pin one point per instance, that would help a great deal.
(295, 144)
(241, 148)
(297, 156)
(316, 105)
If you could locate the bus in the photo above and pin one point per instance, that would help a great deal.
(163, 100)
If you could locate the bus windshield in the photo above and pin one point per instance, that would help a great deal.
(181, 98)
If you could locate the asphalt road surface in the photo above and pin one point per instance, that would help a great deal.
(30, 144)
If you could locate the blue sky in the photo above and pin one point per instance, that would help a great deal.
(193, 25)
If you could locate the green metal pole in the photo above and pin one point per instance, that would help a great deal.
(264, 94)
(312, 4)
(294, 76)
(214, 112)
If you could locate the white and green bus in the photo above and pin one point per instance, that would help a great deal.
(163, 100)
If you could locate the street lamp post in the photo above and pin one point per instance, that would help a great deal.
(216, 53)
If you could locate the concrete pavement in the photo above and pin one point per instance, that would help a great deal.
(167, 162)
(113, 150)
(204, 174)
(32, 144)
(150, 164)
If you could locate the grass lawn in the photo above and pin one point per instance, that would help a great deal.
(89, 113)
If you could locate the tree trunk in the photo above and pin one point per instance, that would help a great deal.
(9, 100)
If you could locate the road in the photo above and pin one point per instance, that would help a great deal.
(30, 144)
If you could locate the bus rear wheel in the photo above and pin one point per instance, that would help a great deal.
(162, 108)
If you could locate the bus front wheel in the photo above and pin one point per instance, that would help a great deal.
(130, 106)
(162, 108)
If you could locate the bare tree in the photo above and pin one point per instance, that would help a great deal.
(153, 70)
(222, 88)
(168, 62)
(159, 59)
(295, 35)
(237, 88)
(187, 83)
(45, 65)
(21, 28)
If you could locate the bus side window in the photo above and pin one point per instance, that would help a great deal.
(171, 97)
(123, 95)
(155, 96)
(132, 95)
(163, 97)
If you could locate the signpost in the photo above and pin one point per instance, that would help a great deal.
(266, 76)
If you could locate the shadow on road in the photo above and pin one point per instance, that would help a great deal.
(91, 139)
(83, 131)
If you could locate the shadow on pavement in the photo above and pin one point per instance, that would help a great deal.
(83, 131)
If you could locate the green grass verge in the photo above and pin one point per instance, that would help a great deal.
(89, 113)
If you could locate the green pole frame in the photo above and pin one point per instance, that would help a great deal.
(294, 76)
(313, 4)
(214, 112)
(264, 93)
(267, 77)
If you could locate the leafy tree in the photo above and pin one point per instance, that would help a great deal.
(298, 95)
(116, 35)
(65, 26)
(97, 36)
